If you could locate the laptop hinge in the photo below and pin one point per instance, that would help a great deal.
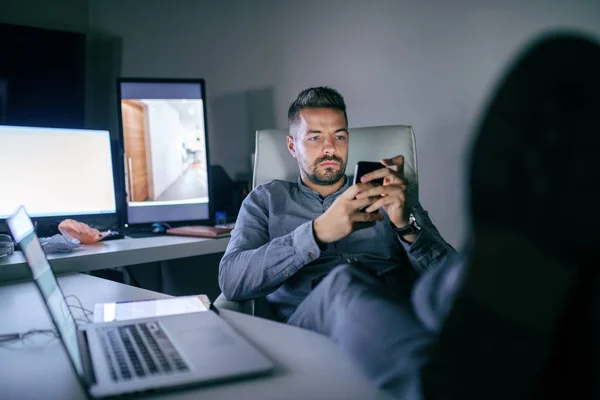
(86, 358)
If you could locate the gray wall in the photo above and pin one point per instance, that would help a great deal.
(429, 64)
(67, 15)
(103, 51)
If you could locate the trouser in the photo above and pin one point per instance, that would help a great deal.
(374, 325)
(437, 343)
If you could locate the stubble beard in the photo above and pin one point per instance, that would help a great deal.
(328, 176)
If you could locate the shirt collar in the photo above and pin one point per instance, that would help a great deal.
(305, 190)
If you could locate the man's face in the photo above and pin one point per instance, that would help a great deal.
(319, 141)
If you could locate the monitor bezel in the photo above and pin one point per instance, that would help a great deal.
(123, 206)
(48, 225)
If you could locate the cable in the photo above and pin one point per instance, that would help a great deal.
(86, 313)
(8, 338)
(24, 337)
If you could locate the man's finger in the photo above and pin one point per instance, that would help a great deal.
(367, 217)
(374, 191)
(377, 205)
(377, 174)
(353, 190)
(359, 204)
(380, 190)
(384, 201)
(397, 161)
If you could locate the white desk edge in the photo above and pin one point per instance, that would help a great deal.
(115, 253)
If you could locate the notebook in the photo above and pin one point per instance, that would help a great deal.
(200, 231)
(126, 310)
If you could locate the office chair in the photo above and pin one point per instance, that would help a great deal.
(273, 161)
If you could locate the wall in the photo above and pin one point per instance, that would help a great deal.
(103, 51)
(66, 15)
(429, 64)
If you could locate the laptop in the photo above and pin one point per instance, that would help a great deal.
(124, 357)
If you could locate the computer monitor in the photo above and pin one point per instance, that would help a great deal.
(56, 172)
(165, 150)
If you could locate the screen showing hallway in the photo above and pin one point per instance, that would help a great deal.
(163, 127)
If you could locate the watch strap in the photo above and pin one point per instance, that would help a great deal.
(405, 230)
(411, 228)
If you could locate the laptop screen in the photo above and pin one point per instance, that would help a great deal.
(23, 232)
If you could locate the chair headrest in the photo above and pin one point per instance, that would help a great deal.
(273, 160)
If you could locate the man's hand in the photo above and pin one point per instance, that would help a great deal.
(392, 195)
(344, 215)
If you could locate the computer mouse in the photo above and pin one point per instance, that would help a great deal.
(157, 227)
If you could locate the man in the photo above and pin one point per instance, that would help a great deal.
(289, 235)
(520, 319)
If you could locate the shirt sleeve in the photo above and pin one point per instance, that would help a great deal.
(430, 248)
(254, 265)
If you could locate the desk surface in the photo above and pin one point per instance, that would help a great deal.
(309, 366)
(115, 253)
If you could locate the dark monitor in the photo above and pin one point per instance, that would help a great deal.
(165, 151)
(56, 173)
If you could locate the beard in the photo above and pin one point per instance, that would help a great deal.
(327, 176)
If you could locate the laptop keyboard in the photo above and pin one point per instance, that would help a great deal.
(139, 350)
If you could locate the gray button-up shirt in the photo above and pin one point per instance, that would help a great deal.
(273, 252)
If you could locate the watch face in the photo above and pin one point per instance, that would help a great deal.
(413, 222)
(411, 218)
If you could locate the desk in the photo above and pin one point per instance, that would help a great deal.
(115, 253)
(309, 366)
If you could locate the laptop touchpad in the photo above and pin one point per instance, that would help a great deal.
(206, 336)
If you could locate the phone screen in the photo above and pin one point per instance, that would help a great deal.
(363, 168)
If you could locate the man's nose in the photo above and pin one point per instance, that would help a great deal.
(328, 146)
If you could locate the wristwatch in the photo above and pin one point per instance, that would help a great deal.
(412, 227)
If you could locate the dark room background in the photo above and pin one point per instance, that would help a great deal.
(428, 64)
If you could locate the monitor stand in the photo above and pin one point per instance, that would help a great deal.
(143, 234)
(156, 229)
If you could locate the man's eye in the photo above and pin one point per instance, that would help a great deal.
(341, 137)
(313, 138)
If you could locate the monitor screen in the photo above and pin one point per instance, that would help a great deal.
(56, 172)
(165, 153)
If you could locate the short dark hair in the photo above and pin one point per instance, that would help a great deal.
(317, 97)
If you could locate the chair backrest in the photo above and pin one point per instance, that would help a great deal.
(273, 160)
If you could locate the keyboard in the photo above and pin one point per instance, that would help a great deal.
(140, 351)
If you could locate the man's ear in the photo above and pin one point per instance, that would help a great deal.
(291, 145)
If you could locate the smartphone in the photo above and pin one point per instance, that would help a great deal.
(363, 168)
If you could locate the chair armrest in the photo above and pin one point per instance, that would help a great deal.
(245, 307)
(258, 307)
